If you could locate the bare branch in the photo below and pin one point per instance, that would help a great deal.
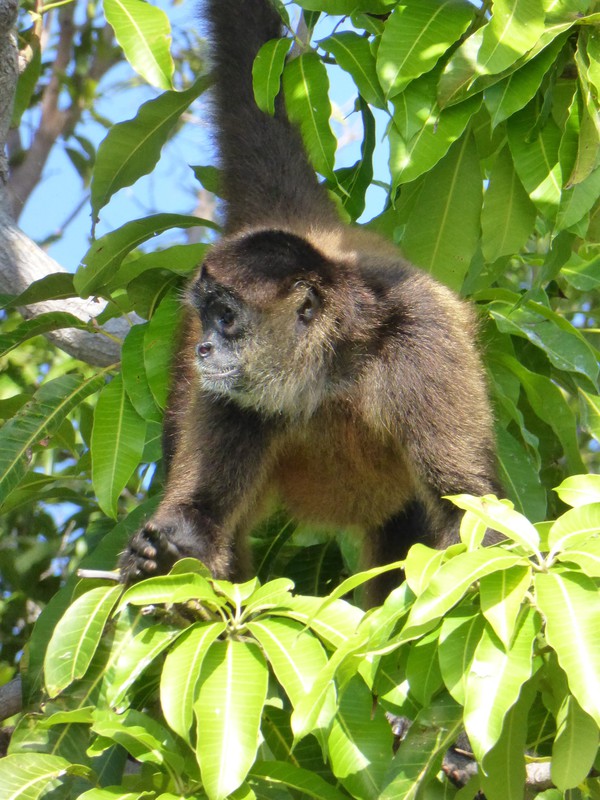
(21, 263)
(11, 699)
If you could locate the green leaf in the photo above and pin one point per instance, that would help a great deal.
(160, 340)
(118, 793)
(586, 556)
(181, 672)
(76, 637)
(266, 73)
(573, 528)
(421, 753)
(26, 776)
(570, 604)
(443, 228)
(295, 654)
(308, 783)
(132, 148)
(514, 28)
(505, 98)
(421, 564)
(144, 33)
(500, 516)
(360, 743)
(577, 201)
(495, 680)
(508, 214)
(535, 156)
(519, 473)
(503, 771)
(578, 490)
(117, 444)
(231, 696)
(422, 134)
(354, 55)
(416, 35)
(561, 341)
(41, 417)
(590, 404)
(106, 254)
(335, 623)
(55, 286)
(177, 588)
(145, 647)
(459, 636)
(134, 375)
(143, 737)
(52, 321)
(550, 405)
(451, 582)
(575, 747)
(502, 596)
(306, 87)
(423, 669)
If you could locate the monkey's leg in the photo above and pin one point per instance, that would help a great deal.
(391, 542)
(214, 478)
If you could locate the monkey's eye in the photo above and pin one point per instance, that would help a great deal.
(226, 320)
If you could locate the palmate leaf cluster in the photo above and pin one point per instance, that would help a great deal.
(247, 691)
(491, 114)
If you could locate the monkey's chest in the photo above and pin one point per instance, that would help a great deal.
(337, 472)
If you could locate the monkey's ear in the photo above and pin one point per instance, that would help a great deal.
(311, 304)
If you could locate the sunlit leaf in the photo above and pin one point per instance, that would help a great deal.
(570, 604)
(231, 696)
(306, 87)
(495, 680)
(577, 490)
(354, 55)
(502, 596)
(76, 637)
(132, 148)
(144, 33)
(266, 72)
(575, 747)
(458, 639)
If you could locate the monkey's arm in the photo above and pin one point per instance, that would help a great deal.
(266, 175)
(214, 476)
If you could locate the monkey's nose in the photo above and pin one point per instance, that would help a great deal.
(204, 349)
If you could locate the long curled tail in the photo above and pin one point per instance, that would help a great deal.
(267, 178)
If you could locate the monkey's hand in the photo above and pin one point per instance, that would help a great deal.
(162, 541)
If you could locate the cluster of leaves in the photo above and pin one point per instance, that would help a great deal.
(223, 690)
(492, 119)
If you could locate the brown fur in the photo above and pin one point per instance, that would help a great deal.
(349, 386)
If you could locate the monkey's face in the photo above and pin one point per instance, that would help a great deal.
(270, 356)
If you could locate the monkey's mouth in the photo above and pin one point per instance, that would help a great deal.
(211, 376)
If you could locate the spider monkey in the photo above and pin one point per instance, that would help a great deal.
(316, 365)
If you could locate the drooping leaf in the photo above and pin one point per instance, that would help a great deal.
(354, 55)
(160, 338)
(144, 33)
(495, 680)
(266, 73)
(508, 214)
(231, 696)
(280, 774)
(132, 148)
(416, 35)
(181, 672)
(443, 228)
(104, 257)
(360, 743)
(306, 88)
(575, 747)
(458, 639)
(38, 418)
(502, 596)
(577, 490)
(27, 776)
(570, 604)
(76, 637)
(117, 444)
(134, 375)
(574, 527)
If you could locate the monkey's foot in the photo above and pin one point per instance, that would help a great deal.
(150, 551)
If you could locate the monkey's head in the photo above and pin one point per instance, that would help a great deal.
(271, 316)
